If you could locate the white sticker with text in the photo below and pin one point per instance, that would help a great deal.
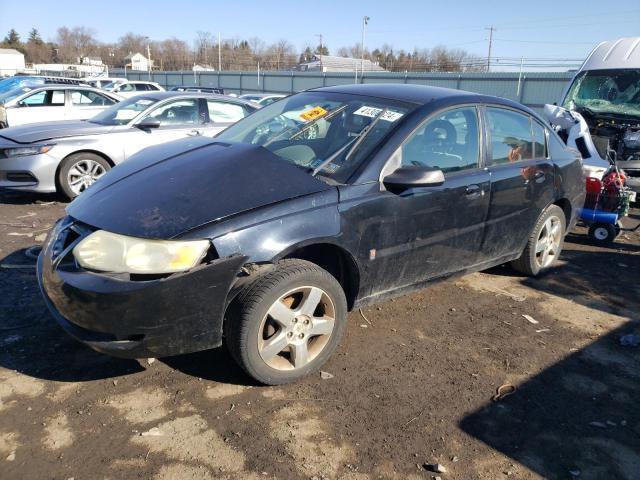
(374, 112)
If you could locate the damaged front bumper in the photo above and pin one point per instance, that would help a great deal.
(127, 318)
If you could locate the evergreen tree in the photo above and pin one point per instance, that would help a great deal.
(34, 37)
(12, 39)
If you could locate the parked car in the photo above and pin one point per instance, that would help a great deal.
(132, 88)
(14, 82)
(24, 105)
(101, 82)
(70, 156)
(263, 99)
(182, 88)
(280, 231)
(606, 92)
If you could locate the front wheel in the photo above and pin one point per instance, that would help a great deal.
(287, 322)
(79, 171)
(544, 244)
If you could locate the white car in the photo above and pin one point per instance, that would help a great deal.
(133, 87)
(263, 99)
(101, 82)
(52, 102)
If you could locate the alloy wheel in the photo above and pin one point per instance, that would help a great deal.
(548, 243)
(296, 328)
(83, 174)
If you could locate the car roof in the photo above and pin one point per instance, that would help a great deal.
(418, 94)
(173, 94)
(421, 94)
(614, 54)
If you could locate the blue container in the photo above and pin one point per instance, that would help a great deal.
(598, 216)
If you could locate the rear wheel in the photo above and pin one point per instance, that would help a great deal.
(544, 244)
(603, 233)
(287, 322)
(79, 171)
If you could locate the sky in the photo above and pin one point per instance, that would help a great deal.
(537, 29)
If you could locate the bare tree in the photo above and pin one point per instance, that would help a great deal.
(75, 44)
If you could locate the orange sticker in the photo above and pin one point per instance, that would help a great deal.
(312, 114)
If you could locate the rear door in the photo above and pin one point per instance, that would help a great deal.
(83, 104)
(521, 179)
(221, 114)
(41, 106)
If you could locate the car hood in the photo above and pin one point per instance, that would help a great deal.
(169, 189)
(38, 132)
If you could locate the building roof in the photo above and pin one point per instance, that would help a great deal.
(131, 55)
(620, 53)
(10, 51)
(331, 62)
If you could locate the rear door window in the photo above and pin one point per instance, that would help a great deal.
(223, 112)
(511, 136)
(87, 98)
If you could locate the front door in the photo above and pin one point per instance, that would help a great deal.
(41, 106)
(428, 232)
(178, 119)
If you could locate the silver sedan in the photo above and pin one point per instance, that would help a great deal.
(68, 157)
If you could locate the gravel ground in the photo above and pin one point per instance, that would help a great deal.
(412, 384)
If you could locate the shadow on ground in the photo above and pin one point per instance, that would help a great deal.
(27, 198)
(581, 415)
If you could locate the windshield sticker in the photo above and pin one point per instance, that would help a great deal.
(313, 113)
(374, 112)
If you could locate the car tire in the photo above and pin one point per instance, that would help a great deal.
(544, 243)
(603, 233)
(274, 331)
(84, 168)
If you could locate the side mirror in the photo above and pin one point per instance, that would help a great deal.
(413, 176)
(148, 123)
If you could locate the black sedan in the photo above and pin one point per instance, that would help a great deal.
(267, 235)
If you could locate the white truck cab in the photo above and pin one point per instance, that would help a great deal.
(606, 92)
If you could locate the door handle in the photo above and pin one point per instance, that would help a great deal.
(194, 133)
(539, 176)
(473, 191)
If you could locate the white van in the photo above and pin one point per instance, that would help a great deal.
(606, 92)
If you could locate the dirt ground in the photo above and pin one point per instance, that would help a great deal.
(412, 384)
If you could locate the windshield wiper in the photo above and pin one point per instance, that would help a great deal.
(306, 127)
(355, 143)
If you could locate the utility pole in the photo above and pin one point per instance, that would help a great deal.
(491, 30)
(319, 35)
(219, 53)
(148, 59)
(365, 22)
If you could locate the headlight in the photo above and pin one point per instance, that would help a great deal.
(33, 150)
(110, 252)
